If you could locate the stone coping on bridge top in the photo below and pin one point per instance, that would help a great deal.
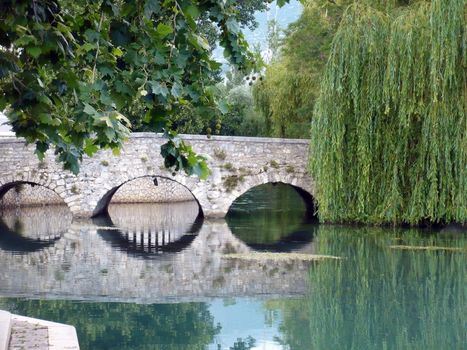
(10, 137)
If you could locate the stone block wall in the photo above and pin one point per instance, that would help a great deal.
(143, 190)
(27, 195)
(140, 190)
(236, 163)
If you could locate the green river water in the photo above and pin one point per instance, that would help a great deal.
(125, 292)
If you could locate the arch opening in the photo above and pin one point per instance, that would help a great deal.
(32, 217)
(148, 216)
(274, 217)
(145, 189)
(28, 194)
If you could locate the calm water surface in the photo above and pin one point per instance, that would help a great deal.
(155, 277)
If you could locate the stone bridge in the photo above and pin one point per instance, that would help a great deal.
(237, 164)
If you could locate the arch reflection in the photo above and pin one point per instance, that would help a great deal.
(148, 230)
(25, 230)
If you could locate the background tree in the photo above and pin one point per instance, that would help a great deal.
(288, 92)
(239, 116)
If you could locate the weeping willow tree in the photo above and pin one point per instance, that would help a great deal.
(389, 130)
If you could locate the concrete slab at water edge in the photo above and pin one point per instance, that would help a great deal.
(20, 332)
(27, 335)
(5, 327)
(60, 336)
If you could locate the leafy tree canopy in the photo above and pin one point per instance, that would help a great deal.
(71, 73)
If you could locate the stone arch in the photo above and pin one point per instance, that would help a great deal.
(102, 204)
(33, 179)
(300, 184)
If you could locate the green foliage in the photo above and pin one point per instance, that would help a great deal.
(241, 118)
(287, 94)
(76, 76)
(236, 115)
(283, 100)
(178, 155)
(389, 132)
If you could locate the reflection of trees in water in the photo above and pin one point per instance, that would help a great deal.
(379, 297)
(127, 326)
(295, 323)
(149, 229)
(244, 344)
(270, 217)
(31, 229)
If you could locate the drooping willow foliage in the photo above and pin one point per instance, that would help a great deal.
(389, 131)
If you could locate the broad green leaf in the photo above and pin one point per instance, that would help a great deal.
(176, 90)
(151, 7)
(158, 88)
(223, 106)
(109, 133)
(89, 147)
(88, 109)
(117, 52)
(34, 51)
(201, 170)
(164, 29)
(159, 58)
(45, 118)
(202, 42)
(25, 40)
(88, 46)
(192, 10)
(232, 25)
(106, 99)
(106, 71)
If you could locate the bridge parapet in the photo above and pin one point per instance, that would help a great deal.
(237, 164)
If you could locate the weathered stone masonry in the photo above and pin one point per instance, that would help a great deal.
(237, 164)
(141, 190)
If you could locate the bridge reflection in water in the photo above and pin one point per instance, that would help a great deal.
(31, 229)
(150, 229)
(117, 258)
